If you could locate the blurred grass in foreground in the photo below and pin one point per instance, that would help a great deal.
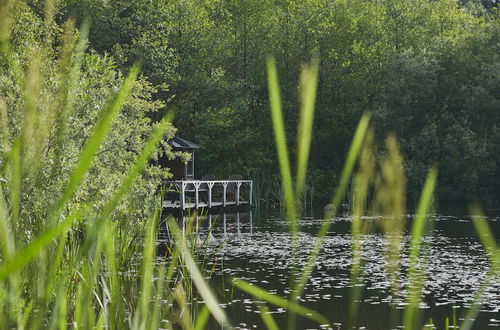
(379, 188)
(79, 269)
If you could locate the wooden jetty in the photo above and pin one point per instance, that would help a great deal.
(196, 194)
(185, 192)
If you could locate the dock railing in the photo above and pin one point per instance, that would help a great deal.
(186, 194)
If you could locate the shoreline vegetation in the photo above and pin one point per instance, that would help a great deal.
(426, 70)
(80, 201)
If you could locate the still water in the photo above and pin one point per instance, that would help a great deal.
(257, 248)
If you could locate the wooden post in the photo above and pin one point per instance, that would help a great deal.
(192, 164)
(196, 190)
(224, 185)
(251, 193)
(210, 186)
(238, 185)
(183, 197)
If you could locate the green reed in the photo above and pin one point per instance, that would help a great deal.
(75, 266)
(379, 186)
(69, 272)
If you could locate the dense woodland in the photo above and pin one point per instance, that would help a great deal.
(429, 71)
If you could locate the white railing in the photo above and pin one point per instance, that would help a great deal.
(202, 193)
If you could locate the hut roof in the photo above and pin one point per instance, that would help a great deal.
(178, 143)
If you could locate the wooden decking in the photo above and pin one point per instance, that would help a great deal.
(189, 194)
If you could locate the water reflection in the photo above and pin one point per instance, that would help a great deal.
(236, 224)
(258, 251)
(233, 222)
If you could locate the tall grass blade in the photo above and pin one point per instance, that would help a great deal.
(94, 142)
(262, 294)
(281, 145)
(141, 316)
(185, 319)
(84, 310)
(139, 164)
(36, 247)
(155, 318)
(283, 156)
(203, 288)
(7, 241)
(487, 239)
(5, 49)
(4, 131)
(59, 314)
(473, 311)
(362, 182)
(116, 307)
(267, 318)
(486, 236)
(52, 280)
(308, 85)
(11, 290)
(417, 231)
(202, 318)
(5, 23)
(28, 139)
(50, 10)
(61, 108)
(390, 201)
(352, 156)
(14, 184)
(132, 175)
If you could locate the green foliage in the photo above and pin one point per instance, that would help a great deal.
(65, 114)
(427, 70)
(76, 185)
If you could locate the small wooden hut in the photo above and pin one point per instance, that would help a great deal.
(181, 170)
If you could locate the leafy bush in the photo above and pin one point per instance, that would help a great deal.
(64, 94)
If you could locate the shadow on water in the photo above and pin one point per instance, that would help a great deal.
(256, 247)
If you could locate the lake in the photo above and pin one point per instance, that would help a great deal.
(255, 247)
